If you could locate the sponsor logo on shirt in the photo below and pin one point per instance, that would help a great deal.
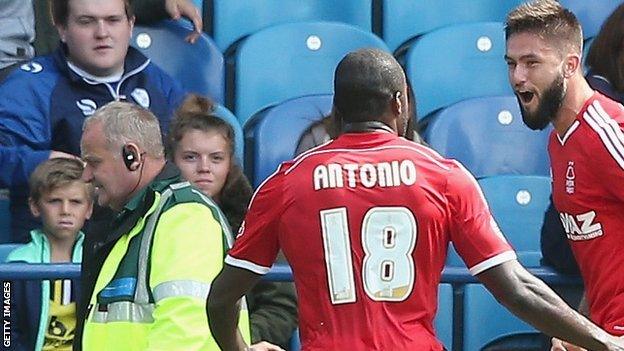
(582, 226)
(87, 106)
(32, 67)
(141, 97)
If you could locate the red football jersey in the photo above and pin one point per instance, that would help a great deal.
(365, 222)
(588, 191)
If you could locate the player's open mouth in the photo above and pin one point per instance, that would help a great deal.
(526, 96)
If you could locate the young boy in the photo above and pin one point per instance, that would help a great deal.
(44, 312)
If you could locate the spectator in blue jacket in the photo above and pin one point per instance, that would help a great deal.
(43, 313)
(44, 102)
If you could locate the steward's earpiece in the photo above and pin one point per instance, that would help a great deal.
(130, 158)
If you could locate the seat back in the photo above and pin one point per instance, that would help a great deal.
(5, 217)
(591, 14)
(239, 137)
(443, 322)
(456, 63)
(5, 250)
(488, 136)
(291, 60)
(518, 203)
(271, 136)
(235, 19)
(197, 67)
(405, 19)
(485, 320)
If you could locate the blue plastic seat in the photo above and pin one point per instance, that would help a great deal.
(443, 322)
(271, 136)
(5, 250)
(456, 63)
(488, 136)
(405, 19)
(235, 19)
(591, 14)
(295, 342)
(518, 203)
(197, 67)
(239, 137)
(5, 217)
(485, 320)
(291, 60)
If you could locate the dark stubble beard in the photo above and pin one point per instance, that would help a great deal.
(549, 105)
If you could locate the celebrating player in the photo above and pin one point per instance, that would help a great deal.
(365, 222)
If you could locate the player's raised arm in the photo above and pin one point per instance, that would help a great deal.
(533, 301)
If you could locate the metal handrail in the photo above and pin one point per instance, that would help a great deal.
(279, 272)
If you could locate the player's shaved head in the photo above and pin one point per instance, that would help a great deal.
(365, 83)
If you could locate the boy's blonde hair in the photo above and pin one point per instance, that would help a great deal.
(54, 173)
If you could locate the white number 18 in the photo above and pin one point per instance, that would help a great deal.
(388, 239)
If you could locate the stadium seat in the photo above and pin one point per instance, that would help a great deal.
(591, 14)
(197, 67)
(587, 43)
(456, 63)
(443, 322)
(5, 250)
(199, 4)
(487, 136)
(405, 19)
(239, 138)
(295, 342)
(518, 203)
(271, 136)
(5, 217)
(486, 321)
(291, 60)
(231, 20)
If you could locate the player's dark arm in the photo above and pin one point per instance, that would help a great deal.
(583, 307)
(226, 290)
(533, 301)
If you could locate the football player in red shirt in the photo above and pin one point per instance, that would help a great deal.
(586, 148)
(365, 222)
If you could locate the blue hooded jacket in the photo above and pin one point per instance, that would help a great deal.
(43, 105)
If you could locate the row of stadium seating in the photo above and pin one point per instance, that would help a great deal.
(485, 134)
(396, 21)
(468, 317)
(276, 53)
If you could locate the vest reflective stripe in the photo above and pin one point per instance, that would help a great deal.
(124, 311)
(141, 294)
(181, 288)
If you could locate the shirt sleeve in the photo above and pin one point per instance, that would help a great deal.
(608, 154)
(24, 127)
(474, 232)
(257, 243)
